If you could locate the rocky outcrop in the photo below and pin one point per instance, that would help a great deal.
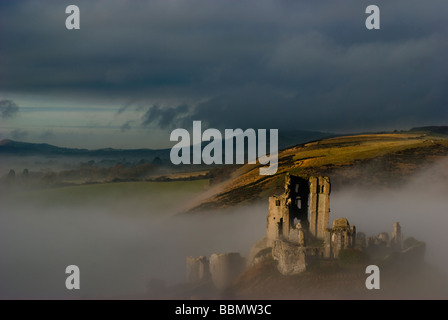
(291, 258)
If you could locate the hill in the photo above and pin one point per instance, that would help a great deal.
(16, 148)
(286, 138)
(369, 159)
(443, 130)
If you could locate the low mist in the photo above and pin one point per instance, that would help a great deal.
(120, 245)
(420, 206)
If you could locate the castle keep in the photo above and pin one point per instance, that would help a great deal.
(304, 201)
(298, 225)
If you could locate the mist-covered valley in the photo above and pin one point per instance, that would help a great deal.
(119, 243)
(124, 237)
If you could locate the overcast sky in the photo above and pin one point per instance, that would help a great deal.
(138, 69)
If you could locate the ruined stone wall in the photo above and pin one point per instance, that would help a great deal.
(319, 206)
(342, 236)
(396, 240)
(222, 269)
(225, 268)
(297, 190)
(278, 219)
(323, 206)
(198, 269)
(285, 210)
(313, 206)
(361, 239)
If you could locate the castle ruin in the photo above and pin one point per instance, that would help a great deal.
(298, 225)
(298, 234)
(222, 269)
(304, 206)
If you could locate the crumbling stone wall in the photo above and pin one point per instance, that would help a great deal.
(277, 219)
(361, 239)
(396, 240)
(299, 218)
(319, 207)
(222, 269)
(342, 236)
(307, 201)
(225, 268)
(286, 209)
(198, 269)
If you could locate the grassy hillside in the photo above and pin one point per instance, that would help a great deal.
(372, 159)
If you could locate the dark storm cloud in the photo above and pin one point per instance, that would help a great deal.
(8, 108)
(286, 64)
(126, 106)
(164, 117)
(126, 126)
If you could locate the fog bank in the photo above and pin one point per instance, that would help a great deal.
(420, 206)
(121, 244)
(118, 253)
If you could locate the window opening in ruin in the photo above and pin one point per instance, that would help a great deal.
(295, 222)
(280, 227)
(277, 203)
(297, 187)
(299, 202)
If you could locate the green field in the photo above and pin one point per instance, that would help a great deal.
(121, 197)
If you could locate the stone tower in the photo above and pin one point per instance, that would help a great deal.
(319, 206)
(397, 237)
(304, 200)
(287, 209)
(342, 237)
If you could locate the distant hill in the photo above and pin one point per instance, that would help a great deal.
(11, 147)
(289, 138)
(16, 148)
(367, 159)
(433, 129)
